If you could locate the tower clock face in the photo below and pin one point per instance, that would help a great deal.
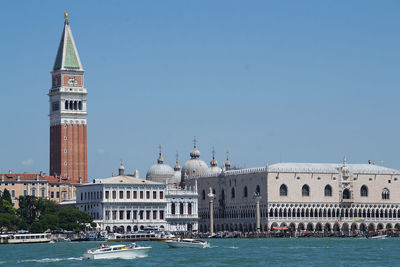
(72, 81)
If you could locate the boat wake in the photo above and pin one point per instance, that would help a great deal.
(52, 259)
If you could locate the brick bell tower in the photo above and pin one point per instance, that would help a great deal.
(67, 97)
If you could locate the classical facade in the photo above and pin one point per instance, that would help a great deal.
(127, 203)
(38, 185)
(124, 203)
(182, 210)
(67, 99)
(303, 197)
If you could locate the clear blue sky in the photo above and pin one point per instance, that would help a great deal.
(302, 81)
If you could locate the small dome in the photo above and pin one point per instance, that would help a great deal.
(195, 154)
(177, 167)
(227, 164)
(176, 179)
(214, 170)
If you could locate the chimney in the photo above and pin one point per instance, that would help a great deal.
(2, 177)
(18, 178)
(37, 177)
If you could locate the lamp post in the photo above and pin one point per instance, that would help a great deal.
(257, 198)
(211, 196)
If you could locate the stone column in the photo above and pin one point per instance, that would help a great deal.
(257, 198)
(211, 209)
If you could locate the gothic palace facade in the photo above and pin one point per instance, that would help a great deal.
(302, 196)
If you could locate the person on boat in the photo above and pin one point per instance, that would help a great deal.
(102, 245)
(133, 245)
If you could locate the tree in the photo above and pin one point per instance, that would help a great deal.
(72, 219)
(6, 207)
(6, 196)
(27, 209)
(9, 221)
(44, 206)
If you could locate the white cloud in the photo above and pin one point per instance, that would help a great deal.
(27, 162)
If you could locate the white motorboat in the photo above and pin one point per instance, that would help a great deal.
(187, 243)
(117, 251)
(379, 237)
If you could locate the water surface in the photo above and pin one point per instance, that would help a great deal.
(223, 252)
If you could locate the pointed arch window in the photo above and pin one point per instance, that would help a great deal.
(203, 195)
(328, 190)
(305, 191)
(346, 194)
(283, 191)
(189, 208)
(258, 189)
(222, 196)
(173, 208)
(364, 191)
(245, 193)
(66, 104)
(385, 193)
(233, 192)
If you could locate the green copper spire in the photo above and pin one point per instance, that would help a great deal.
(67, 54)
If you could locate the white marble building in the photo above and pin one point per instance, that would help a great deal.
(124, 203)
(127, 203)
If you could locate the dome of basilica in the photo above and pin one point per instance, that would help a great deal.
(160, 172)
(194, 166)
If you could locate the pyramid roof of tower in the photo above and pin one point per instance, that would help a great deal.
(67, 55)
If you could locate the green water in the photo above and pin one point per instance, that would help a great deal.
(223, 252)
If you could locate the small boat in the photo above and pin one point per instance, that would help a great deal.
(25, 238)
(379, 237)
(187, 243)
(117, 251)
(139, 236)
(64, 239)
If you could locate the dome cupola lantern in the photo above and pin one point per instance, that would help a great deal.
(227, 162)
(177, 167)
(213, 162)
(121, 169)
